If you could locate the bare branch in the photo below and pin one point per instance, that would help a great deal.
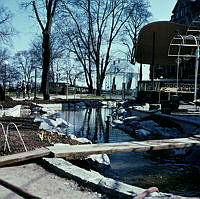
(37, 16)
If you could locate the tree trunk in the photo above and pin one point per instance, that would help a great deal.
(98, 74)
(90, 89)
(99, 86)
(45, 65)
(98, 91)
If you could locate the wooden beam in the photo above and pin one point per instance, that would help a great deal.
(71, 152)
(79, 151)
(19, 157)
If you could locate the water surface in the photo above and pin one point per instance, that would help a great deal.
(172, 171)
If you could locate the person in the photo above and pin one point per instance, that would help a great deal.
(24, 88)
(18, 89)
(146, 193)
(28, 89)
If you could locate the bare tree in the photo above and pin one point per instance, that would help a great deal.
(57, 58)
(73, 73)
(44, 11)
(8, 73)
(4, 57)
(36, 52)
(94, 26)
(139, 17)
(24, 62)
(6, 28)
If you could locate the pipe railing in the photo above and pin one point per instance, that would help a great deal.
(6, 139)
(6, 136)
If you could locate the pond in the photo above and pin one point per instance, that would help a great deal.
(172, 171)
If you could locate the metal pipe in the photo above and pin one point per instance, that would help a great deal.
(6, 139)
(18, 190)
(196, 73)
(140, 67)
(12, 123)
(178, 64)
(177, 74)
(35, 84)
(153, 59)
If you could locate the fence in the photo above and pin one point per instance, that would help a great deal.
(168, 87)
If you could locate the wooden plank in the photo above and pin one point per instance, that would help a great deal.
(19, 157)
(77, 151)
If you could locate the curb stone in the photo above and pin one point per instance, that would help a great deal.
(98, 182)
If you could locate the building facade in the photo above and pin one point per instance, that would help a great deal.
(163, 77)
(120, 73)
(185, 12)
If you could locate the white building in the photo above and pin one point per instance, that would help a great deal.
(120, 72)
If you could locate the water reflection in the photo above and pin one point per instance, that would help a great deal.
(88, 123)
(171, 172)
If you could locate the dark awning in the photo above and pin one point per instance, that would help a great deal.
(164, 33)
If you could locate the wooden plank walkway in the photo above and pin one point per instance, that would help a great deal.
(77, 151)
(71, 152)
(19, 157)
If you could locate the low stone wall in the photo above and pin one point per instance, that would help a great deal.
(100, 183)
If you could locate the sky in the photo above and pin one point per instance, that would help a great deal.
(161, 10)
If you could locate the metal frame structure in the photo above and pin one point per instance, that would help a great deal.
(183, 45)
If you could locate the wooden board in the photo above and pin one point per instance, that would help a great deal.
(77, 151)
(19, 157)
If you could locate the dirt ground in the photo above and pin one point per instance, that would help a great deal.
(41, 183)
(32, 138)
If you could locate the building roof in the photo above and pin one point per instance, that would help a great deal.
(184, 3)
(120, 67)
(164, 33)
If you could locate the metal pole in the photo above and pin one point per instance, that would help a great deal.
(35, 84)
(67, 91)
(196, 73)
(18, 190)
(110, 86)
(141, 68)
(123, 91)
(159, 97)
(153, 59)
(178, 64)
(5, 78)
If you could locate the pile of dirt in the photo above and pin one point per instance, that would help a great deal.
(32, 140)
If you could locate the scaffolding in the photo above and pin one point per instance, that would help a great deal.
(185, 47)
